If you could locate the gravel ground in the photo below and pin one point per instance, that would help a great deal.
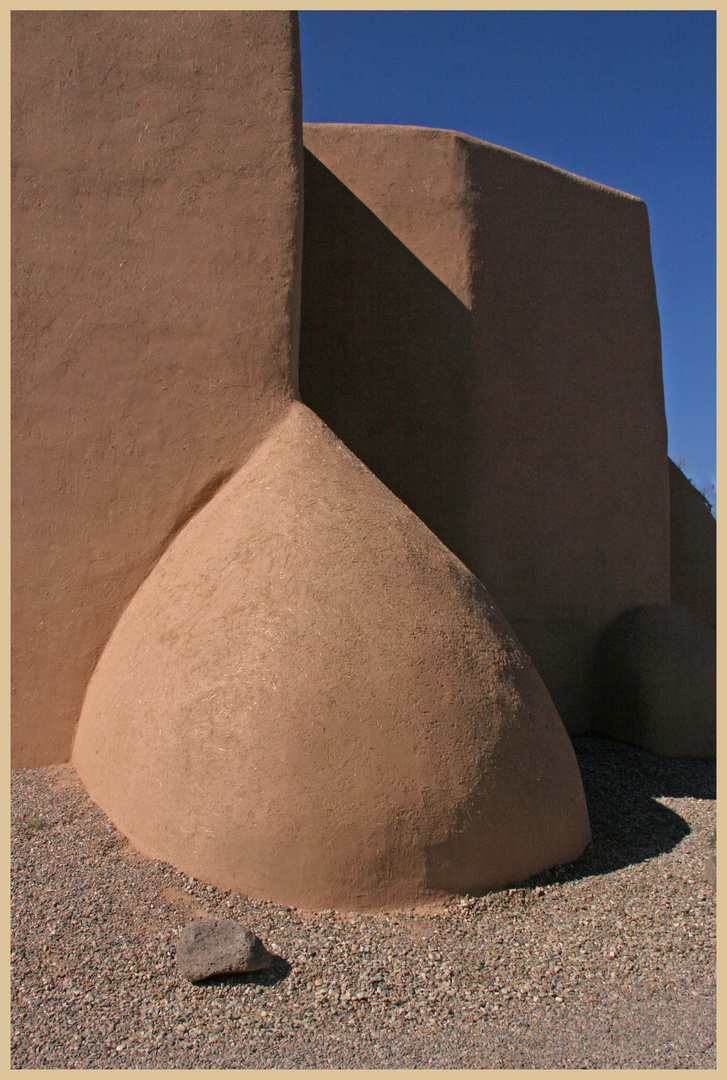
(607, 963)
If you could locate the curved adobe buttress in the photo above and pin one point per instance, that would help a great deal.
(311, 700)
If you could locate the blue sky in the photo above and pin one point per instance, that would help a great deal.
(626, 98)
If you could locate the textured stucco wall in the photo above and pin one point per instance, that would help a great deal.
(481, 329)
(156, 250)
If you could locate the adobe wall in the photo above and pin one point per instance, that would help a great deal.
(481, 329)
(156, 249)
(287, 684)
(655, 682)
(693, 548)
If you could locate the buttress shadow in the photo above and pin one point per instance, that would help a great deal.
(628, 824)
(386, 355)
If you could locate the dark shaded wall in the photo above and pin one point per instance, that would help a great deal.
(693, 548)
(387, 350)
(482, 330)
(655, 681)
(156, 226)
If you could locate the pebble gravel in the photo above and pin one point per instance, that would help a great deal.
(606, 963)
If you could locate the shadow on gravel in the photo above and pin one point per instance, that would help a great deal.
(279, 970)
(628, 825)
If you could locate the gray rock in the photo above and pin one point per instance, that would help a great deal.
(219, 947)
(710, 870)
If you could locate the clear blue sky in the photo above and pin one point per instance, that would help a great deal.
(626, 98)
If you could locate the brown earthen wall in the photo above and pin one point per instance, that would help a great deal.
(289, 686)
(693, 548)
(481, 329)
(156, 249)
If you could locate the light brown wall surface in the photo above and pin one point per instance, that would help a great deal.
(415, 179)
(481, 329)
(310, 700)
(156, 248)
(693, 548)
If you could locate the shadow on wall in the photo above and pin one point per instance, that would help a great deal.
(528, 431)
(622, 785)
(389, 331)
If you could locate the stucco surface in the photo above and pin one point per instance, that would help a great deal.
(311, 700)
(693, 548)
(481, 329)
(655, 681)
(156, 284)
